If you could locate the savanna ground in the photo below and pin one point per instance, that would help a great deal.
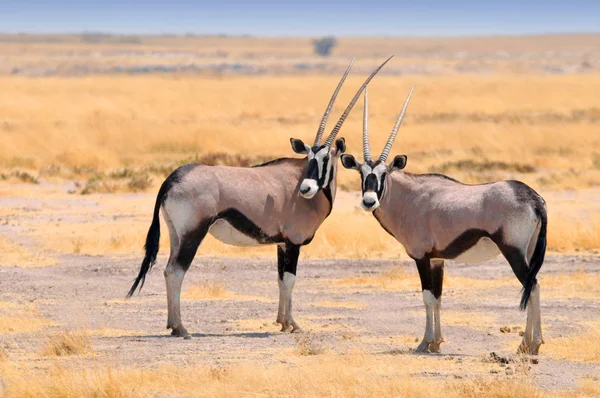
(81, 158)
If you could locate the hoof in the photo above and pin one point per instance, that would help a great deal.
(296, 329)
(286, 328)
(181, 332)
(434, 348)
(423, 348)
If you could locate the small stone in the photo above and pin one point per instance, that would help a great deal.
(521, 333)
(535, 361)
(505, 329)
(494, 371)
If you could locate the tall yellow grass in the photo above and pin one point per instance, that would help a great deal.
(100, 123)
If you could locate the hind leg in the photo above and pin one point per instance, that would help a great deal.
(517, 259)
(287, 262)
(179, 261)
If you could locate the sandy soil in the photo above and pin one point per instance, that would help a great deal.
(83, 292)
(88, 293)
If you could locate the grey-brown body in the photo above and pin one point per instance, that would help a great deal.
(274, 205)
(281, 203)
(437, 218)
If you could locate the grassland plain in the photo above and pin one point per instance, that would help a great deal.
(82, 157)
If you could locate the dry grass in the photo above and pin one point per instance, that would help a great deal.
(96, 124)
(209, 290)
(579, 284)
(320, 375)
(308, 344)
(67, 343)
(15, 254)
(20, 318)
(584, 347)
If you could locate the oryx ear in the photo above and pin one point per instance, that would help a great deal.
(340, 146)
(349, 162)
(298, 146)
(398, 163)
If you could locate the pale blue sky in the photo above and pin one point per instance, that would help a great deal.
(305, 18)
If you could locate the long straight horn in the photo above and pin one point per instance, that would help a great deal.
(366, 146)
(338, 125)
(390, 141)
(331, 101)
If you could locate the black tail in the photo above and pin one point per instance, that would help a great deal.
(152, 240)
(537, 259)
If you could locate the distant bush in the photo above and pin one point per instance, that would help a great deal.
(324, 45)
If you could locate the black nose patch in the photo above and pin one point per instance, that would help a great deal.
(371, 183)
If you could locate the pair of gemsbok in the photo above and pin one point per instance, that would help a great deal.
(284, 202)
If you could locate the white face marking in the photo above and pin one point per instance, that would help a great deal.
(320, 156)
(309, 185)
(378, 171)
(365, 170)
(370, 200)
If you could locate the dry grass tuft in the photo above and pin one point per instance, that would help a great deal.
(14, 254)
(209, 290)
(68, 343)
(309, 344)
(584, 347)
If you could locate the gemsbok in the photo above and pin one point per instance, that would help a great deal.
(280, 202)
(437, 218)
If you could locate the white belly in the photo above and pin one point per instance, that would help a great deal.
(224, 232)
(484, 250)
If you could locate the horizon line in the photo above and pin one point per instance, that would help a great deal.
(284, 36)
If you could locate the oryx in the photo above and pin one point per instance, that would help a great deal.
(281, 202)
(437, 218)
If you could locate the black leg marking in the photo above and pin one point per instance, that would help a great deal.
(424, 267)
(189, 244)
(437, 278)
(287, 259)
(280, 261)
(517, 260)
(432, 275)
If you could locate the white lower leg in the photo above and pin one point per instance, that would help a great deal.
(282, 303)
(537, 339)
(528, 334)
(428, 338)
(289, 281)
(438, 338)
(174, 278)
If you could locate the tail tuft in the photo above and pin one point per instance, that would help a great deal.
(152, 240)
(537, 259)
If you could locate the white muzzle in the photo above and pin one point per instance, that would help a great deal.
(369, 201)
(308, 188)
